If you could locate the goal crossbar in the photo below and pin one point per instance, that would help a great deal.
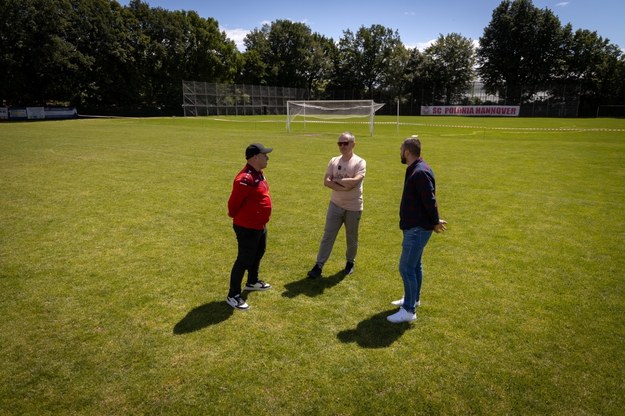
(332, 110)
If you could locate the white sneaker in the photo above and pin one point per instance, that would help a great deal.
(260, 285)
(237, 302)
(400, 302)
(402, 316)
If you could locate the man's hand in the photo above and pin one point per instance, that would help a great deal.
(440, 227)
(349, 183)
(339, 182)
(333, 184)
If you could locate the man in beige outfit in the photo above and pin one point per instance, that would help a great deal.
(344, 175)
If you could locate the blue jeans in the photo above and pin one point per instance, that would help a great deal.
(410, 267)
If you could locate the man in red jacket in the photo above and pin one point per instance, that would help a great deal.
(249, 206)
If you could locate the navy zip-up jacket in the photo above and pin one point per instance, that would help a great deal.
(418, 206)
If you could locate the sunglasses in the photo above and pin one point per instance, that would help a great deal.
(342, 143)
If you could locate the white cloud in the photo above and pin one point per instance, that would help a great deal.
(237, 35)
(562, 4)
(419, 45)
(422, 45)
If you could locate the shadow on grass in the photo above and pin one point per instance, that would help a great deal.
(203, 316)
(312, 287)
(375, 332)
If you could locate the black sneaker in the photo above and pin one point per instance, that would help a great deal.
(237, 303)
(349, 268)
(315, 272)
(260, 285)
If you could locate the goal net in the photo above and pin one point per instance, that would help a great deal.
(334, 110)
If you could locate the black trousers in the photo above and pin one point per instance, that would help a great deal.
(252, 244)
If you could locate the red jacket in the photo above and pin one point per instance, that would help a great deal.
(250, 203)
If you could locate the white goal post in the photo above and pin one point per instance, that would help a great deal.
(331, 110)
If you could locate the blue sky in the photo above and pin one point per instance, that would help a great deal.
(418, 22)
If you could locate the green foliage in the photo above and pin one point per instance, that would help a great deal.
(525, 49)
(35, 51)
(595, 63)
(365, 58)
(99, 55)
(521, 48)
(115, 253)
(287, 54)
(449, 62)
(105, 58)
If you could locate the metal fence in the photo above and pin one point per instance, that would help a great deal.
(208, 99)
(204, 99)
(552, 101)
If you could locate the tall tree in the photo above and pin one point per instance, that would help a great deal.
(592, 62)
(287, 54)
(346, 74)
(290, 52)
(318, 70)
(449, 63)
(101, 30)
(256, 58)
(170, 47)
(416, 77)
(365, 58)
(208, 54)
(394, 81)
(39, 63)
(520, 50)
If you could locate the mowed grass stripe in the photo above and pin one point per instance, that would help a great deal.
(115, 253)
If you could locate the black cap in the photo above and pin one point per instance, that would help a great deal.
(256, 148)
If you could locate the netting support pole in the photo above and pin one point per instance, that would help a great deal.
(397, 115)
(371, 114)
(288, 117)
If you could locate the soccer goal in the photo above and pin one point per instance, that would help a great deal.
(336, 111)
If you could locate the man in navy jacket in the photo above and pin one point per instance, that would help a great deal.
(418, 217)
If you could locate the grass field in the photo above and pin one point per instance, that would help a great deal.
(115, 254)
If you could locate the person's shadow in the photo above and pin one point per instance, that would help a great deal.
(203, 316)
(375, 331)
(312, 287)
